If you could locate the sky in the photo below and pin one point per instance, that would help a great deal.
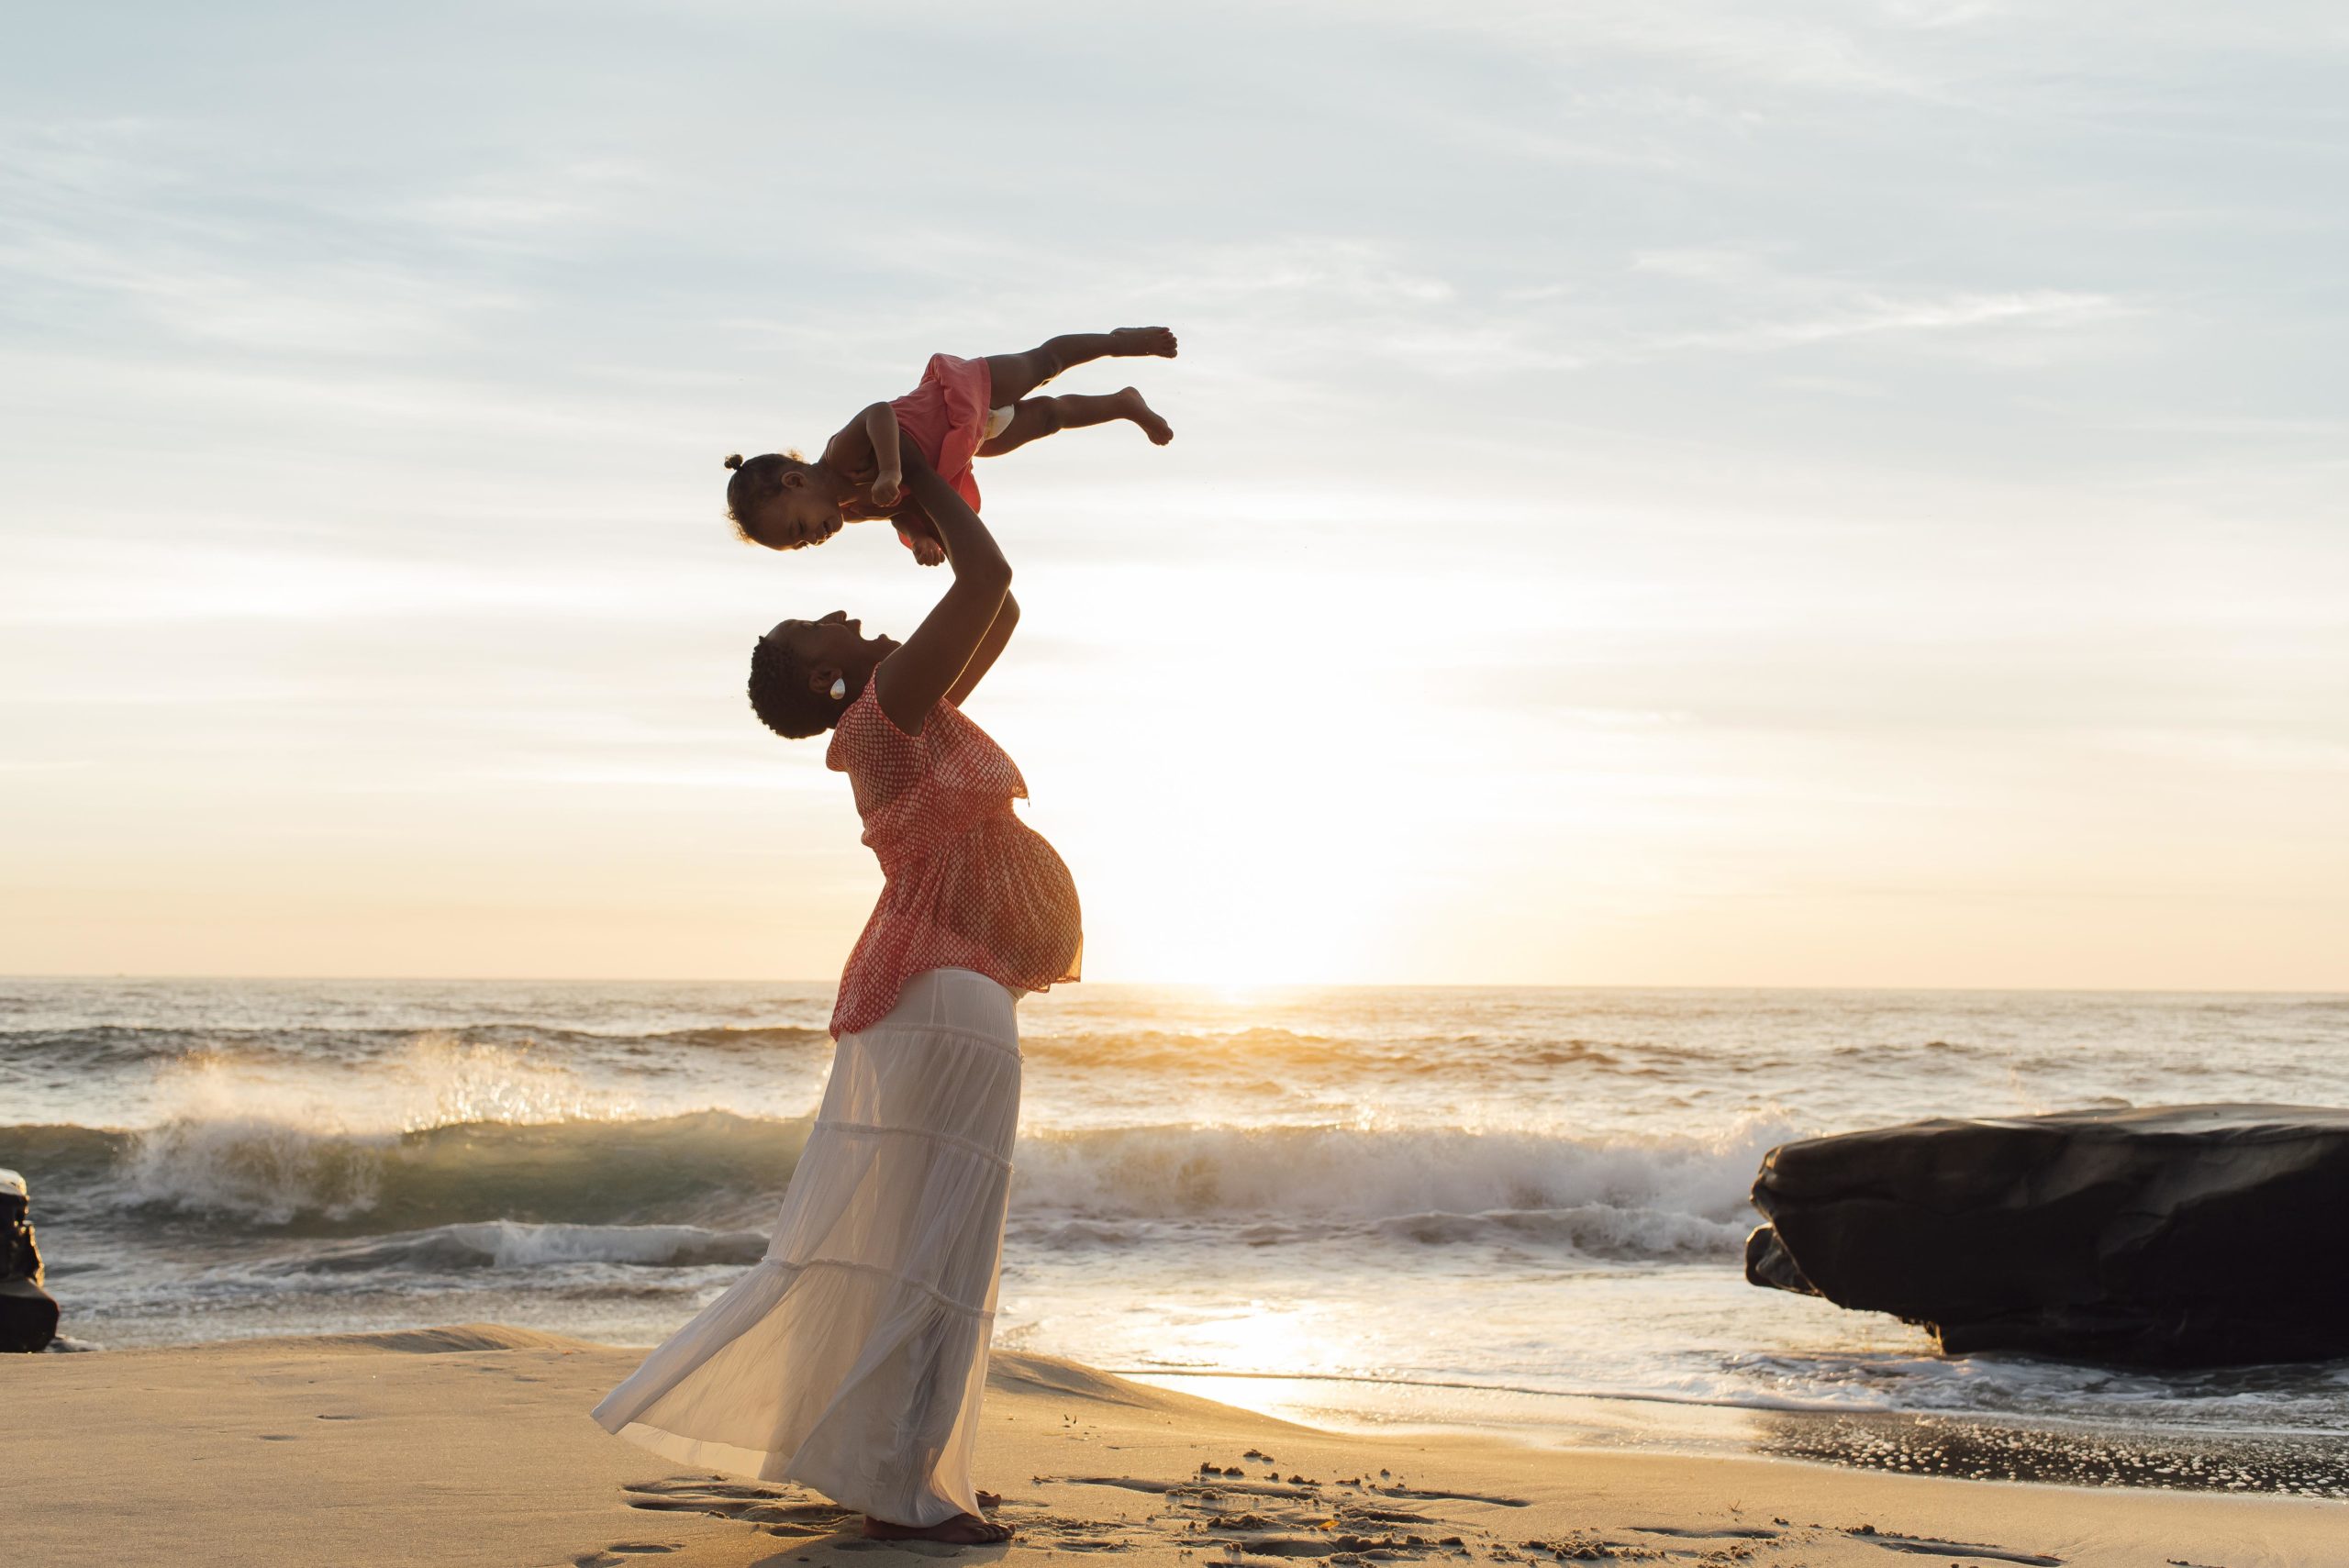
(1689, 494)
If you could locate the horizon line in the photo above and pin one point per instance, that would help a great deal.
(11, 978)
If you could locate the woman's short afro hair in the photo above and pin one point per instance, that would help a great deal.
(779, 693)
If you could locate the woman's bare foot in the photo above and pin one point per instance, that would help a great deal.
(1130, 406)
(990, 1501)
(1136, 343)
(962, 1529)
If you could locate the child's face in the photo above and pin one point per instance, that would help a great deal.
(793, 519)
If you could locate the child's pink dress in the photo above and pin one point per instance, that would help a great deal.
(947, 418)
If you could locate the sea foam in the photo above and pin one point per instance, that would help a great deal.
(1611, 1197)
(1631, 1196)
(509, 1244)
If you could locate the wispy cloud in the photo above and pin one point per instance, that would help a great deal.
(1869, 316)
(107, 220)
(1783, 46)
(538, 209)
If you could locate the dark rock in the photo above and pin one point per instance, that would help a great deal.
(1767, 1261)
(2179, 1236)
(28, 1313)
(27, 1316)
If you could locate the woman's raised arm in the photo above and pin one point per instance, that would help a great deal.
(1006, 621)
(933, 662)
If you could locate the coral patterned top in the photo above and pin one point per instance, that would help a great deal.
(968, 884)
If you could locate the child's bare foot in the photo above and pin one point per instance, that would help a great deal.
(962, 1529)
(1138, 342)
(990, 1500)
(1130, 406)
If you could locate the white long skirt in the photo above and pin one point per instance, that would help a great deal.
(854, 1356)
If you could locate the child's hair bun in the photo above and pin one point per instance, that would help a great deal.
(733, 459)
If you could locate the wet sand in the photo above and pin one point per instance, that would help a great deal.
(473, 1445)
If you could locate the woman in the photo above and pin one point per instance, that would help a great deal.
(853, 1357)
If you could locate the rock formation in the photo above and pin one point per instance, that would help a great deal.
(28, 1313)
(2180, 1236)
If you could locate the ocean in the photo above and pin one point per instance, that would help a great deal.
(1520, 1210)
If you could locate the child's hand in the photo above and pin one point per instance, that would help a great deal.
(889, 485)
(918, 534)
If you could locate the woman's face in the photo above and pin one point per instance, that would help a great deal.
(833, 645)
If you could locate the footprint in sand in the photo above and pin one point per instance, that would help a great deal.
(1923, 1546)
(778, 1510)
(620, 1551)
(1305, 1520)
(1730, 1533)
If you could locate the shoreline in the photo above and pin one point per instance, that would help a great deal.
(1965, 1445)
(2053, 1450)
(472, 1445)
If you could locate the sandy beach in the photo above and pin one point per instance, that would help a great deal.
(472, 1445)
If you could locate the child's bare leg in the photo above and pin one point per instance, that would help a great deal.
(1030, 418)
(1017, 375)
(1035, 416)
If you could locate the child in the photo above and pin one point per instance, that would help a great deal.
(964, 408)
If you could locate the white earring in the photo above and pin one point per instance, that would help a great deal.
(840, 688)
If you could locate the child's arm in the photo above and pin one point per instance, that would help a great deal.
(888, 476)
(913, 526)
(919, 533)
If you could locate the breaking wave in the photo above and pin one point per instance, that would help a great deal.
(1629, 1197)
(510, 1244)
(1406, 1056)
(255, 1171)
(433, 1190)
(114, 1046)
